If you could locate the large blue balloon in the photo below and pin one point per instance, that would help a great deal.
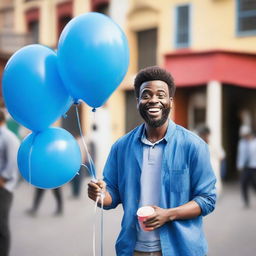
(50, 158)
(93, 57)
(32, 88)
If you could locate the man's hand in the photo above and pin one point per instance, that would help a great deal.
(95, 189)
(186, 211)
(158, 219)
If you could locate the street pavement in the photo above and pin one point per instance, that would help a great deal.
(230, 230)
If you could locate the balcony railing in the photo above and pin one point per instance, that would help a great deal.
(11, 42)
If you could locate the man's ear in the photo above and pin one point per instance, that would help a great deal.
(171, 102)
(137, 100)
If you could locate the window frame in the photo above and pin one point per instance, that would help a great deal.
(242, 14)
(175, 37)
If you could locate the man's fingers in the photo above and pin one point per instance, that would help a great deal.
(151, 224)
(101, 184)
(93, 185)
(150, 219)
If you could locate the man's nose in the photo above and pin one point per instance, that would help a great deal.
(154, 99)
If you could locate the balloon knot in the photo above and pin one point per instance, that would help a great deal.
(94, 110)
(77, 102)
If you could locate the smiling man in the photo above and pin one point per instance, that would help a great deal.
(163, 165)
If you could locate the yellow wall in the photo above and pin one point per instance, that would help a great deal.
(213, 27)
(213, 24)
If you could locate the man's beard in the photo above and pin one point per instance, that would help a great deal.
(151, 122)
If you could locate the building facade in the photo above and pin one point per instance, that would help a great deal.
(207, 45)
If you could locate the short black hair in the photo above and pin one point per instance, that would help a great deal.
(2, 115)
(154, 73)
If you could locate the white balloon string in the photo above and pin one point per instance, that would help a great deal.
(102, 224)
(101, 199)
(92, 172)
(91, 168)
(94, 227)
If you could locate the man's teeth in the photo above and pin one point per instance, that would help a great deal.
(153, 110)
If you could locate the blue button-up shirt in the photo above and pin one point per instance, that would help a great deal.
(186, 175)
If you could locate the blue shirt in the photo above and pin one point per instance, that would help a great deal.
(150, 193)
(246, 154)
(186, 175)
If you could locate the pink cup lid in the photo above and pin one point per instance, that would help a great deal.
(145, 211)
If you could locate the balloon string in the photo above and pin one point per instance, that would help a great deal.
(101, 198)
(102, 224)
(94, 228)
(91, 168)
(94, 114)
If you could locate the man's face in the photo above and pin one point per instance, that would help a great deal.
(154, 102)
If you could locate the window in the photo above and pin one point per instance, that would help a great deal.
(147, 48)
(33, 28)
(182, 33)
(246, 16)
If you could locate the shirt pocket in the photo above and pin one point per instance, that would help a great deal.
(179, 180)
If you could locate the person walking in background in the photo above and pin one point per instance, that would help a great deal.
(246, 162)
(38, 199)
(217, 155)
(9, 145)
(76, 182)
(163, 165)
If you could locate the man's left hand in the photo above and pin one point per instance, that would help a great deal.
(158, 219)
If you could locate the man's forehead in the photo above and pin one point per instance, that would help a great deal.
(154, 84)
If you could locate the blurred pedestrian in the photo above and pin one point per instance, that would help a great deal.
(162, 165)
(246, 162)
(9, 145)
(76, 182)
(217, 154)
(38, 195)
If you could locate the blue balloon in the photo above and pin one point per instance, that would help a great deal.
(93, 57)
(32, 88)
(50, 158)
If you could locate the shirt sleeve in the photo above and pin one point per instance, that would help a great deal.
(110, 175)
(203, 180)
(11, 147)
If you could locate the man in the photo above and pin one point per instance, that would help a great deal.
(9, 145)
(246, 162)
(163, 165)
(217, 155)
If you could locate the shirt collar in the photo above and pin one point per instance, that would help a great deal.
(169, 133)
(144, 139)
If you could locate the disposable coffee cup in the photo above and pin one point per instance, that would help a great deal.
(143, 213)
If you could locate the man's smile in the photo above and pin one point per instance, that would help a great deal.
(154, 111)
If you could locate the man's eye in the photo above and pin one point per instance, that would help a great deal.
(145, 96)
(161, 96)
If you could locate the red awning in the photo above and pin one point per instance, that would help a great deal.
(196, 68)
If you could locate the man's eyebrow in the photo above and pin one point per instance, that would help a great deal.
(145, 90)
(161, 90)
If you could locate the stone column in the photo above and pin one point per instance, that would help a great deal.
(214, 122)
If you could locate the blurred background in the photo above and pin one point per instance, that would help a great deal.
(209, 46)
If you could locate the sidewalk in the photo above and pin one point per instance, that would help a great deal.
(67, 235)
(230, 230)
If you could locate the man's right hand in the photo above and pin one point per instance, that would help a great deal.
(96, 188)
